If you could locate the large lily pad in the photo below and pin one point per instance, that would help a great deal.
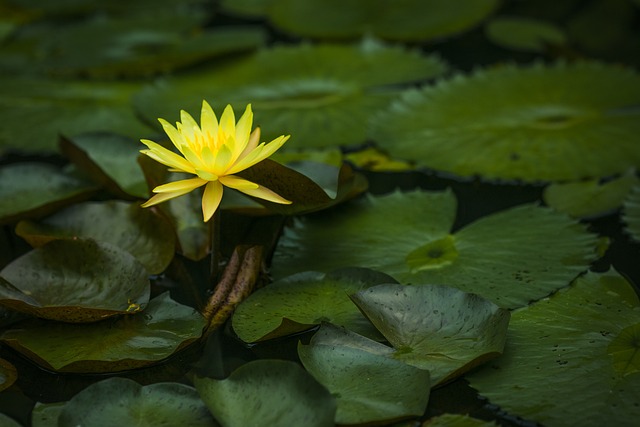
(510, 257)
(534, 123)
(75, 281)
(369, 387)
(124, 402)
(113, 345)
(36, 111)
(145, 234)
(111, 160)
(438, 328)
(35, 189)
(559, 363)
(408, 20)
(268, 392)
(322, 95)
(304, 300)
(631, 214)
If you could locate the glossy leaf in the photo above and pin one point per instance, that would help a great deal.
(143, 233)
(368, 387)
(303, 300)
(268, 392)
(123, 402)
(35, 189)
(510, 257)
(75, 281)
(560, 345)
(128, 342)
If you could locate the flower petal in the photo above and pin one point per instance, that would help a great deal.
(252, 143)
(184, 186)
(266, 194)
(223, 160)
(211, 199)
(173, 134)
(162, 197)
(168, 158)
(188, 126)
(238, 183)
(260, 153)
(208, 121)
(243, 130)
(228, 121)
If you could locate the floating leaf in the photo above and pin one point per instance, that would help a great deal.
(437, 328)
(590, 198)
(123, 402)
(46, 414)
(523, 34)
(36, 111)
(322, 95)
(75, 281)
(410, 20)
(625, 349)
(534, 123)
(113, 345)
(631, 215)
(510, 257)
(8, 375)
(368, 387)
(143, 233)
(457, 420)
(268, 392)
(7, 421)
(299, 302)
(35, 189)
(111, 160)
(559, 346)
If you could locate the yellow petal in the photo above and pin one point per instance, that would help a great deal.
(266, 194)
(208, 121)
(173, 134)
(160, 154)
(161, 197)
(252, 143)
(188, 127)
(243, 130)
(260, 153)
(182, 186)
(211, 199)
(228, 121)
(223, 160)
(193, 158)
(238, 183)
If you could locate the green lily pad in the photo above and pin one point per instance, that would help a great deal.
(322, 95)
(625, 349)
(457, 420)
(46, 414)
(36, 189)
(533, 123)
(36, 111)
(590, 198)
(128, 342)
(123, 402)
(268, 392)
(412, 20)
(75, 281)
(8, 374)
(523, 34)
(631, 215)
(437, 328)
(510, 257)
(562, 359)
(6, 421)
(111, 160)
(143, 233)
(368, 387)
(304, 300)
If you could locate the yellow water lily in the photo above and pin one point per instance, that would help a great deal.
(214, 152)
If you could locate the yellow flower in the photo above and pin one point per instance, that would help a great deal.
(213, 152)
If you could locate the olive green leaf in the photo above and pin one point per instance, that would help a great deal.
(128, 342)
(123, 402)
(143, 233)
(631, 213)
(36, 111)
(368, 387)
(36, 189)
(436, 328)
(590, 198)
(46, 414)
(571, 356)
(8, 374)
(322, 95)
(304, 300)
(79, 280)
(268, 392)
(111, 160)
(409, 20)
(509, 257)
(533, 123)
(523, 34)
